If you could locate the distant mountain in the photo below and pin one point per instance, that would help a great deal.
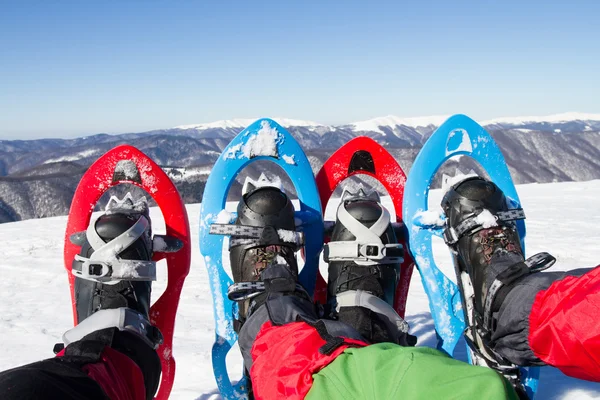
(38, 177)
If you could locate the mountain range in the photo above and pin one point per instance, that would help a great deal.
(38, 177)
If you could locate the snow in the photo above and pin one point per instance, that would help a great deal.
(181, 174)
(372, 125)
(449, 181)
(224, 124)
(563, 117)
(159, 244)
(127, 168)
(280, 260)
(244, 122)
(430, 217)
(262, 143)
(73, 157)
(130, 270)
(464, 145)
(289, 159)
(224, 217)
(262, 181)
(232, 151)
(36, 305)
(524, 130)
(486, 219)
(287, 236)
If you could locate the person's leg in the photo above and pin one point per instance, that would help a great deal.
(50, 379)
(87, 369)
(111, 352)
(563, 324)
(284, 343)
(388, 371)
(362, 282)
(281, 337)
(523, 316)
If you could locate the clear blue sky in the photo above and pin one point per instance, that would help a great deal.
(72, 68)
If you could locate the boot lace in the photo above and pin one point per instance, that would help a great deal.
(266, 256)
(496, 238)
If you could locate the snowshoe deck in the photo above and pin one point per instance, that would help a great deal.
(363, 155)
(262, 140)
(126, 164)
(459, 135)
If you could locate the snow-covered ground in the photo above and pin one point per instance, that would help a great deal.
(563, 218)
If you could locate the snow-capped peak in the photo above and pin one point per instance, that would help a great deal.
(373, 125)
(244, 122)
(225, 123)
(556, 118)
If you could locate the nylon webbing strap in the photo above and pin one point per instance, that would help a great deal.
(535, 263)
(452, 235)
(244, 234)
(361, 298)
(378, 253)
(247, 290)
(124, 319)
(105, 266)
(367, 248)
(115, 270)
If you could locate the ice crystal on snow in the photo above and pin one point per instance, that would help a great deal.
(449, 181)
(289, 159)
(486, 219)
(430, 218)
(224, 217)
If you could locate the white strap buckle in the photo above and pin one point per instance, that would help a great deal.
(361, 253)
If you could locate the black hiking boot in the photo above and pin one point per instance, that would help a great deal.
(364, 265)
(263, 259)
(262, 251)
(92, 295)
(113, 286)
(482, 232)
(491, 246)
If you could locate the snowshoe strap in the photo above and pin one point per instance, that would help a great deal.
(367, 248)
(166, 244)
(360, 298)
(360, 231)
(275, 278)
(104, 265)
(124, 318)
(536, 263)
(257, 235)
(365, 254)
(453, 235)
(246, 290)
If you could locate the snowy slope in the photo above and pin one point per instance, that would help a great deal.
(373, 125)
(563, 218)
(562, 117)
(244, 122)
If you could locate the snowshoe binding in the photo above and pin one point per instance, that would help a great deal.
(262, 249)
(113, 274)
(364, 265)
(114, 270)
